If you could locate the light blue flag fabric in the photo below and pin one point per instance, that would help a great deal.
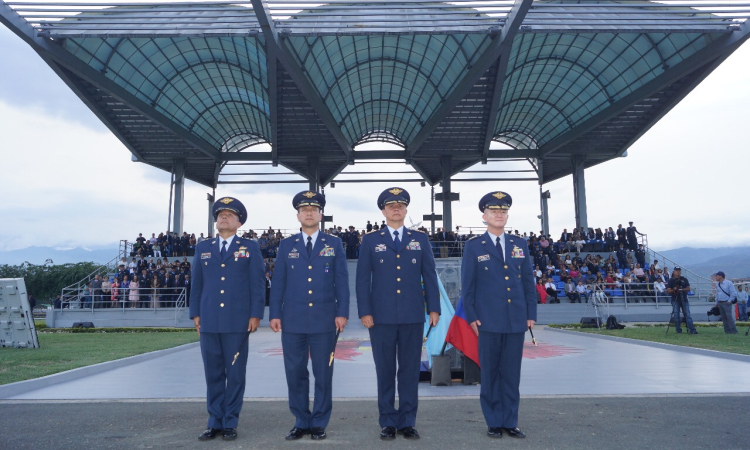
(437, 337)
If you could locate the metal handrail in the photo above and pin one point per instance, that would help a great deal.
(74, 299)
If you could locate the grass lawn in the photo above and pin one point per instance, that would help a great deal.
(64, 351)
(711, 338)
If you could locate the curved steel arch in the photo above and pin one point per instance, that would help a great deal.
(384, 101)
(223, 102)
(535, 114)
(550, 104)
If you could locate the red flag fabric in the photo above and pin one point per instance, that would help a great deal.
(461, 336)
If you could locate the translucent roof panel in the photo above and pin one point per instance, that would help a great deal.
(214, 87)
(385, 85)
(555, 81)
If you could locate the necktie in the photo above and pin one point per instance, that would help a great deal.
(223, 249)
(396, 240)
(499, 247)
(309, 245)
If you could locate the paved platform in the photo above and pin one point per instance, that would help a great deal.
(564, 363)
(654, 422)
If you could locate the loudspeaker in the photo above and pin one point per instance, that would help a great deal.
(471, 372)
(440, 375)
(590, 322)
(83, 324)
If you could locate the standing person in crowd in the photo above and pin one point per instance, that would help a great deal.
(640, 255)
(632, 239)
(106, 293)
(742, 298)
(678, 287)
(396, 284)
(351, 239)
(115, 292)
(155, 291)
(726, 297)
(124, 290)
(541, 291)
(96, 291)
(144, 281)
(492, 264)
(227, 304)
(310, 302)
(133, 295)
(167, 295)
(622, 256)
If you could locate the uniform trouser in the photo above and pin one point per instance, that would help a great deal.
(402, 343)
(727, 317)
(297, 347)
(500, 357)
(351, 252)
(225, 383)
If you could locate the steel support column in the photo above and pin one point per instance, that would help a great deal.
(312, 170)
(179, 195)
(211, 201)
(543, 197)
(447, 210)
(579, 192)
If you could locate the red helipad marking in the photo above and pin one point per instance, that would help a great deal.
(543, 350)
(346, 349)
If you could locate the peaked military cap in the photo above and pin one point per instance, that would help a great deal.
(309, 198)
(495, 200)
(230, 204)
(393, 195)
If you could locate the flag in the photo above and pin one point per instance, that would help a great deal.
(436, 340)
(461, 336)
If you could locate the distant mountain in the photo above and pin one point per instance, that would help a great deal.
(38, 255)
(734, 261)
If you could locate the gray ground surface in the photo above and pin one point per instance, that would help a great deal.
(656, 422)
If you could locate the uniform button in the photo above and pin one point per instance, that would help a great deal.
(222, 291)
(222, 305)
(310, 304)
(398, 267)
(309, 267)
(222, 278)
(508, 300)
(223, 265)
(309, 279)
(398, 256)
(508, 288)
(310, 291)
(519, 276)
(505, 267)
(398, 291)
(398, 279)
(507, 278)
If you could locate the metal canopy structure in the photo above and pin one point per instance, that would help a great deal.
(564, 84)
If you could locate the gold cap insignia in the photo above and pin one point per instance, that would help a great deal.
(226, 200)
(499, 195)
(309, 194)
(396, 191)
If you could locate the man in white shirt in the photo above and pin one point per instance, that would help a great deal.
(582, 291)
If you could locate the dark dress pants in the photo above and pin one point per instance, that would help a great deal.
(500, 357)
(402, 343)
(225, 383)
(297, 347)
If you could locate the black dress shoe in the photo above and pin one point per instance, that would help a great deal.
(514, 432)
(318, 433)
(229, 434)
(388, 433)
(296, 433)
(209, 434)
(495, 432)
(409, 432)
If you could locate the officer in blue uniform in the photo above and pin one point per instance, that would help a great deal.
(393, 263)
(227, 302)
(310, 301)
(500, 303)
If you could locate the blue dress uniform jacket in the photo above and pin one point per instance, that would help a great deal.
(309, 291)
(389, 280)
(227, 292)
(498, 291)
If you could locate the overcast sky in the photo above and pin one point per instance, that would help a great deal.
(67, 181)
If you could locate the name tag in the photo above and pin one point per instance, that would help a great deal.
(293, 255)
(380, 248)
(206, 255)
(517, 253)
(413, 245)
(327, 251)
(483, 258)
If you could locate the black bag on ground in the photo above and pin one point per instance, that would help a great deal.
(613, 325)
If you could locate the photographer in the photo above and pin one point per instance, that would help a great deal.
(726, 297)
(678, 287)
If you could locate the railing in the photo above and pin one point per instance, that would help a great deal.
(147, 298)
(71, 291)
(703, 288)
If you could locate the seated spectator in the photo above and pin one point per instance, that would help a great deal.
(656, 265)
(551, 289)
(571, 292)
(582, 291)
(537, 272)
(574, 272)
(639, 274)
(661, 290)
(568, 261)
(541, 291)
(609, 282)
(550, 269)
